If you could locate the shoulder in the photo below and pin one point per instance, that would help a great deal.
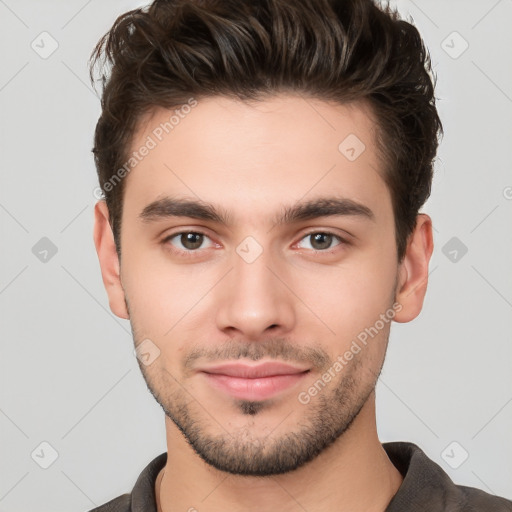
(475, 500)
(142, 496)
(120, 504)
(427, 487)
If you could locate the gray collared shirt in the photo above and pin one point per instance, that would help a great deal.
(425, 488)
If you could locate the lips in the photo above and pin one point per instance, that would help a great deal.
(245, 371)
(253, 382)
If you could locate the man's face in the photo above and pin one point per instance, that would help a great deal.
(253, 290)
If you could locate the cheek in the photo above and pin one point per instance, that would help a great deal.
(150, 290)
(163, 297)
(349, 297)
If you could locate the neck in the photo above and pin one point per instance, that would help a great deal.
(353, 474)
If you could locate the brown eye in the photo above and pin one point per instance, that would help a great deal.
(321, 241)
(187, 242)
(191, 241)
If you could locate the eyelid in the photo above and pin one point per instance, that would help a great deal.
(342, 234)
(184, 230)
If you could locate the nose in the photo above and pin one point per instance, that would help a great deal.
(254, 300)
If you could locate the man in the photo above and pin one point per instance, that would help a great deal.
(263, 165)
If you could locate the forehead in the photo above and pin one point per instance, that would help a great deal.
(256, 155)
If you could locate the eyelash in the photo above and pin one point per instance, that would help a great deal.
(193, 253)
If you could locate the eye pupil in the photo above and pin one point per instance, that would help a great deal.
(192, 240)
(321, 241)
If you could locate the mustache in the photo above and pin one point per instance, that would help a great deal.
(271, 348)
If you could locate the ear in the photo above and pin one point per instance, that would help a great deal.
(413, 270)
(109, 261)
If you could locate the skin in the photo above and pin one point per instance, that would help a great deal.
(292, 303)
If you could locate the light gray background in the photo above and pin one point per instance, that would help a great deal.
(68, 374)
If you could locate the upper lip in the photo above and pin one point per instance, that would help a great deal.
(246, 371)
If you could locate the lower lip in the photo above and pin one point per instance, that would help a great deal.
(254, 389)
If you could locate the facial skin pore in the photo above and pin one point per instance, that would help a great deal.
(303, 300)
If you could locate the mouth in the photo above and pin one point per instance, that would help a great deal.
(253, 382)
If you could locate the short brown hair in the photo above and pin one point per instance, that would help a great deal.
(333, 50)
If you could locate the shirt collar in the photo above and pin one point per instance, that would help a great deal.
(424, 481)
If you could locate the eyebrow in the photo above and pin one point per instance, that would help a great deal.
(168, 207)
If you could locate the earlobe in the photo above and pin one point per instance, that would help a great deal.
(108, 259)
(413, 271)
